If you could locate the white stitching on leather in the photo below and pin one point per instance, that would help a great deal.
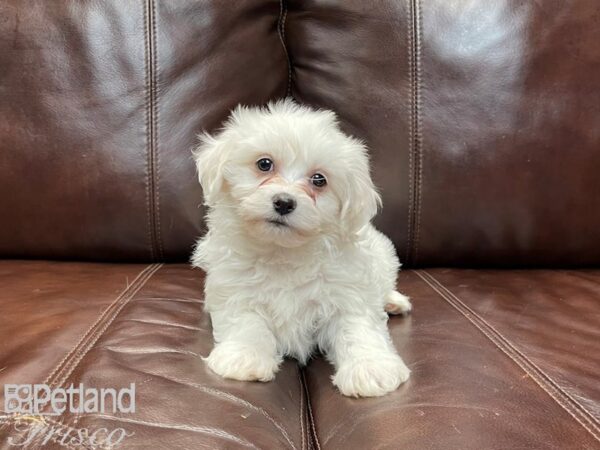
(409, 227)
(155, 154)
(147, 83)
(548, 385)
(82, 348)
(101, 331)
(98, 320)
(418, 129)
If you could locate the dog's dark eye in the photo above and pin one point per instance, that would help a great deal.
(264, 164)
(318, 180)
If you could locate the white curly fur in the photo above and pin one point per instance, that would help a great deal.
(321, 278)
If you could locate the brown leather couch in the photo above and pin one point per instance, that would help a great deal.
(483, 119)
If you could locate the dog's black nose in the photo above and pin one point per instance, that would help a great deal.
(283, 204)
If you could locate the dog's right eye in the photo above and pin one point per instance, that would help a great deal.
(264, 165)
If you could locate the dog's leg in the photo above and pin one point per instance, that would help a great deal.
(397, 303)
(245, 348)
(362, 352)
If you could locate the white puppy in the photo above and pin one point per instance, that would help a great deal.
(292, 260)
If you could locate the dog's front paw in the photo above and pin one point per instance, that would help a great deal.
(242, 363)
(371, 377)
(397, 303)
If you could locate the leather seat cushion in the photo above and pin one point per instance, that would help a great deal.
(502, 358)
(107, 325)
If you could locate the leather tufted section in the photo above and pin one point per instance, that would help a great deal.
(109, 326)
(465, 391)
(510, 108)
(53, 303)
(502, 358)
(548, 322)
(482, 121)
(100, 105)
(354, 57)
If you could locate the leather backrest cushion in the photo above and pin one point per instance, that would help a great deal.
(100, 103)
(483, 120)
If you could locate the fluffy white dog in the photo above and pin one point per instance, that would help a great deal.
(292, 260)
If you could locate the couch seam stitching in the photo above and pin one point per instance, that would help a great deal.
(302, 441)
(418, 128)
(91, 327)
(101, 332)
(151, 120)
(415, 154)
(63, 373)
(504, 345)
(509, 345)
(148, 132)
(283, 9)
(409, 230)
(311, 419)
(155, 153)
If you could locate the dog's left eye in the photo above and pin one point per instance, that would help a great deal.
(318, 180)
(264, 164)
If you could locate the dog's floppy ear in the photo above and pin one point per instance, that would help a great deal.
(361, 199)
(210, 157)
